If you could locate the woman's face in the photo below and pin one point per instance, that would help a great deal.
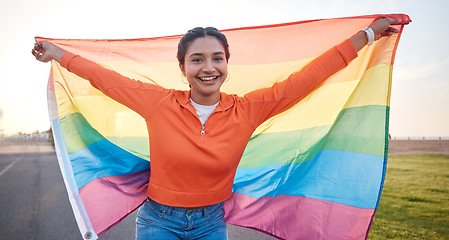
(206, 68)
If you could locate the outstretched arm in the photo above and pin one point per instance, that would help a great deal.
(134, 94)
(381, 27)
(46, 51)
(265, 103)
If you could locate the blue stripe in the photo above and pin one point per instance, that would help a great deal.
(64, 159)
(348, 178)
(104, 159)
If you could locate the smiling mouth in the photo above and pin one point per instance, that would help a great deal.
(208, 79)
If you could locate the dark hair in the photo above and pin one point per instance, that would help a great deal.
(198, 32)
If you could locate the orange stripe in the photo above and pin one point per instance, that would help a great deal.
(253, 45)
(167, 74)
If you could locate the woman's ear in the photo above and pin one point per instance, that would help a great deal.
(183, 69)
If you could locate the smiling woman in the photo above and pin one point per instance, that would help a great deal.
(198, 136)
(206, 68)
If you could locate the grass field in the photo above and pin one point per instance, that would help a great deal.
(415, 199)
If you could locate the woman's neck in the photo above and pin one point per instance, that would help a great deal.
(205, 100)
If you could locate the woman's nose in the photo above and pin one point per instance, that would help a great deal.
(209, 66)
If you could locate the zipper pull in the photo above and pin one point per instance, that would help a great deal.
(203, 130)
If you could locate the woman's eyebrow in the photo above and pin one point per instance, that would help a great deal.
(201, 54)
(196, 54)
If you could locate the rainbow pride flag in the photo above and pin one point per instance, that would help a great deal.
(314, 171)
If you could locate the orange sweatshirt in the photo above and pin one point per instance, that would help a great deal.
(189, 167)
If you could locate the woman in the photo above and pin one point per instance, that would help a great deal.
(198, 136)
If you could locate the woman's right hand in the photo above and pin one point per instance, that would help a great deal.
(45, 51)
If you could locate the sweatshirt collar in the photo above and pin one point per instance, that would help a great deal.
(226, 101)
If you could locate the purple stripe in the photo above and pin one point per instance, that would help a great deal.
(294, 217)
(110, 199)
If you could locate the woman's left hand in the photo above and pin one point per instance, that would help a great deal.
(382, 27)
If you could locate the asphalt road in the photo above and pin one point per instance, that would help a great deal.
(34, 203)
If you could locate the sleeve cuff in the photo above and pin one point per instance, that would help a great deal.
(65, 59)
(347, 51)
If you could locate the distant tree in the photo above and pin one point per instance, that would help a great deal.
(50, 135)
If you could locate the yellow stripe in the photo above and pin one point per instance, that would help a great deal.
(374, 89)
(247, 78)
(318, 109)
(166, 74)
(74, 84)
(322, 106)
(243, 78)
(108, 117)
(111, 118)
(65, 106)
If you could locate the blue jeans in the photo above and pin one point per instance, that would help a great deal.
(158, 221)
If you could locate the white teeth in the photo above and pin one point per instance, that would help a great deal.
(208, 78)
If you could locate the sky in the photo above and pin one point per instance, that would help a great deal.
(420, 90)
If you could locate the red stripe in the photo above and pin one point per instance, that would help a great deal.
(108, 200)
(249, 45)
(293, 217)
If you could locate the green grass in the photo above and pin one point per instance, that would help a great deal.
(415, 199)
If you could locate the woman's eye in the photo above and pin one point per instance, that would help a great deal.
(218, 59)
(196, 60)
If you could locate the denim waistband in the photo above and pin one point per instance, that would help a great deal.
(182, 211)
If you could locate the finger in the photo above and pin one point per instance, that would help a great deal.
(38, 55)
(393, 30)
(38, 43)
(394, 21)
(387, 34)
(38, 47)
(35, 51)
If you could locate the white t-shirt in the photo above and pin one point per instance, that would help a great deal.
(203, 111)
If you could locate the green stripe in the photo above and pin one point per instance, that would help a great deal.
(78, 134)
(283, 147)
(357, 129)
(387, 131)
(137, 145)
